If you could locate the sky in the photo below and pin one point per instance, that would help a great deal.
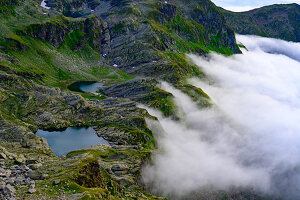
(243, 5)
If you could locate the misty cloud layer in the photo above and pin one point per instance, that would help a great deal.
(270, 45)
(250, 138)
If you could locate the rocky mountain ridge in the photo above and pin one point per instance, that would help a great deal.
(277, 21)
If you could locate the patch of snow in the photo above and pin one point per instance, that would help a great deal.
(115, 65)
(43, 4)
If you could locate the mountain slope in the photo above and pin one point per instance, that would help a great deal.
(147, 38)
(144, 38)
(280, 21)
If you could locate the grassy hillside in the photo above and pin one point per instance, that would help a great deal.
(74, 58)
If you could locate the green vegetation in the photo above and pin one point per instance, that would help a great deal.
(188, 36)
(197, 95)
(75, 59)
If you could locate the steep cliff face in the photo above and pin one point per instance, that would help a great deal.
(277, 21)
(144, 38)
(147, 38)
(88, 31)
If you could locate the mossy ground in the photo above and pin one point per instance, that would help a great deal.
(61, 180)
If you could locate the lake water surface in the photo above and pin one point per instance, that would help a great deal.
(85, 86)
(70, 139)
(90, 87)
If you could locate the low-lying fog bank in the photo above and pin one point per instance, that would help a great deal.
(250, 138)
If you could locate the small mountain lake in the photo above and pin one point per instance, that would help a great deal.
(70, 139)
(85, 86)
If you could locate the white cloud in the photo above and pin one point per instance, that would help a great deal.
(193, 157)
(239, 8)
(249, 139)
(275, 46)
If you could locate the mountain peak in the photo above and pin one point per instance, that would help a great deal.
(277, 21)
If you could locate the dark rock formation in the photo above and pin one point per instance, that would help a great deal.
(77, 33)
(144, 91)
(90, 175)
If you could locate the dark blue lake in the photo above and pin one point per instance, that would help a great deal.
(70, 139)
(85, 86)
(90, 88)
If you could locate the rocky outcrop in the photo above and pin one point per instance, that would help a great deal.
(11, 132)
(144, 91)
(90, 175)
(169, 12)
(122, 170)
(76, 33)
(53, 33)
(277, 21)
(214, 22)
(31, 141)
(16, 175)
(138, 90)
